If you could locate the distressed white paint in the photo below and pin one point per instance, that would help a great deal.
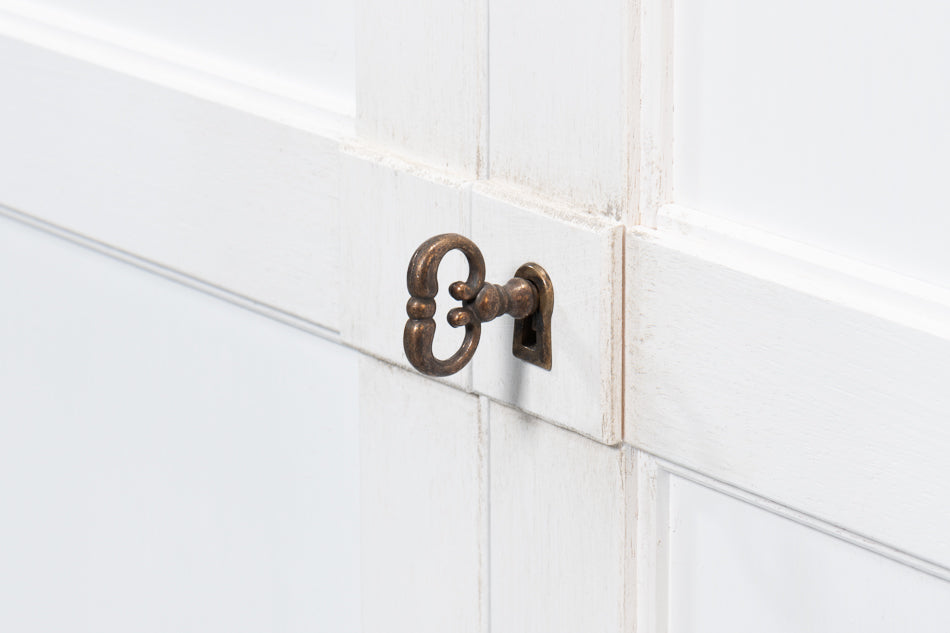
(734, 566)
(809, 379)
(421, 86)
(646, 543)
(821, 122)
(388, 209)
(302, 50)
(423, 452)
(650, 113)
(582, 390)
(169, 461)
(796, 374)
(558, 529)
(558, 108)
(237, 200)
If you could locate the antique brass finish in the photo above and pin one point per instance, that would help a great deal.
(532, 339)
(528, 297)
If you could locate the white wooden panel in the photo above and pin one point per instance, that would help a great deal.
(803, 378)
(169, 461)
(423, 450)
(304, 50)
(648, 541)
(582, 256)
(237, 200)
(735, 567)
(558, 88)
(821, 122)
(388, 209)
(558, 529)
(421, 80)
(651, 116)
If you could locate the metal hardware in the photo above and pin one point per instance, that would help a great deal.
(528, 297)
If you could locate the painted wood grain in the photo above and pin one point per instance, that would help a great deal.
(423, 477)
(647, 543)
(421, 83)
(389, 208)
(799, 376)
(582, 389)
(559, 527)
(559, 93)
(650, 109)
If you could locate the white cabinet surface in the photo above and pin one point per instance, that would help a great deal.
(298, 50)
(738, 567)
(207, 420)
(169, 461)
(424, 499)
(821, 122)
(558, 528)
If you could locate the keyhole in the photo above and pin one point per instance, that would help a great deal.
(529, 335)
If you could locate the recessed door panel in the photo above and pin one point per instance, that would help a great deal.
(168, 461)
(821, 122)
(737, 567)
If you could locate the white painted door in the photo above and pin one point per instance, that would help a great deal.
(179, 419)
(786, 318)
(744, 426)
(169, 461)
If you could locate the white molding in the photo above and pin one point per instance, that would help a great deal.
(484, 514)
(247, 303)
(151, 59)
(241, 201)
(483, 124)
(159, 443)
(801, 376)
(836, 531)
(650, 112)
(648, 499)
(857, 285)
